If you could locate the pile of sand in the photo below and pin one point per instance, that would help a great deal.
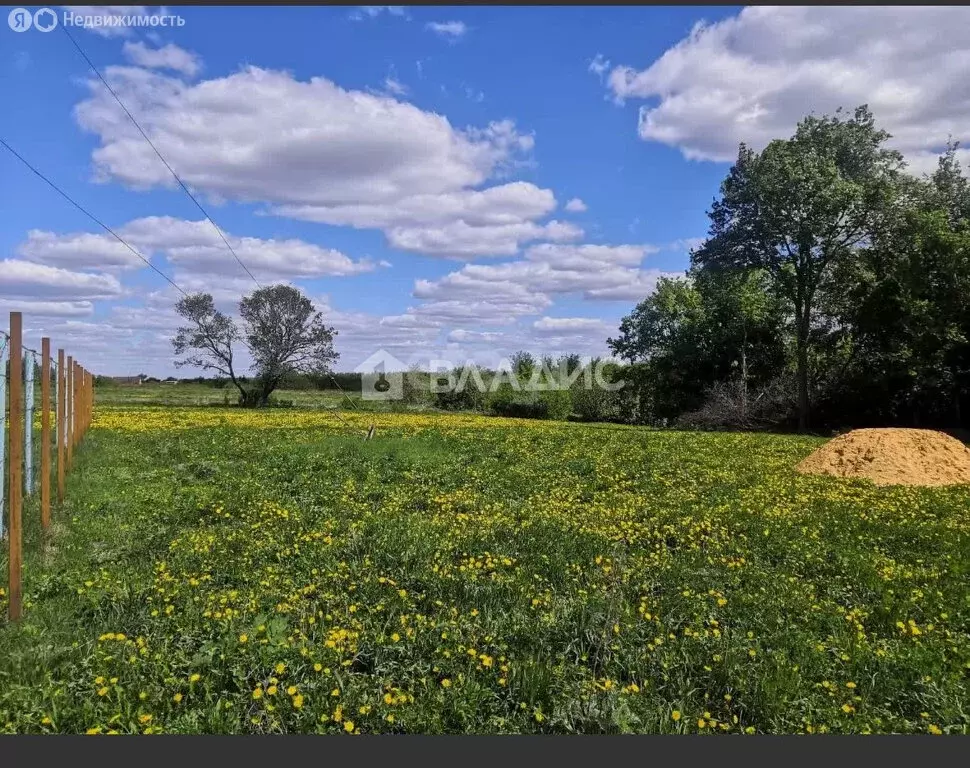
(893, 457)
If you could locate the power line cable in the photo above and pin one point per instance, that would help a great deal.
(172, 171)
(87, 213)
(174, 175)
(164, 161)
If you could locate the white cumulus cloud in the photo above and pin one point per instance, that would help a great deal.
(315, 151)
(751, 77)
(169, 56)
(576, 206)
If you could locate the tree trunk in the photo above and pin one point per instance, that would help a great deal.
(242, 392)
(801, 341)
(744, 378)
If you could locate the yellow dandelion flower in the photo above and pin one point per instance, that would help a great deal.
(446, 683)
(675, 715)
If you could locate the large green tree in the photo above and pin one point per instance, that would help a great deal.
(282, 331)
(906, 305)
(691, 332)
(798, 208)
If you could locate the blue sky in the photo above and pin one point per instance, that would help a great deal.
(445, 183)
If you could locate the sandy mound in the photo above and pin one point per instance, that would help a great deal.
(893, 457)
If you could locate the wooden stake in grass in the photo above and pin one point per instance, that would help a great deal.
(45, 432)
(61, 425)
(69, 419)
(15, 479)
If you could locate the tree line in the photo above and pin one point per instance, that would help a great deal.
(832, 290)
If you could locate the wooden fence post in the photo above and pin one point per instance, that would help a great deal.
(61, 425)
(84, 402)
(79, 421)
(69, 418)
(15, 481)
(90, 398)
(45, 432)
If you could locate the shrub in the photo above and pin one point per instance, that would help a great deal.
(557, 404)
(468, 398)
(594, 404)
(547, 404)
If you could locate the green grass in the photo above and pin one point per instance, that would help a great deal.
(472, 574)
(183, 394)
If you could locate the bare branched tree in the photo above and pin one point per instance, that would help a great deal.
(281, 329)
(207, 341)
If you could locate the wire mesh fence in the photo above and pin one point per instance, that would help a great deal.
(47, 408)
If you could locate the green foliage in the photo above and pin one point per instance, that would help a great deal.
(798, 209)
(509, 401)
(827, 270)
(463, 389)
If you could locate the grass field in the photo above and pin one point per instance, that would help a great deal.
(189, 395)
(219, 570)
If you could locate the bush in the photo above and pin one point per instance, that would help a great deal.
(417, 388)
(547, 404)
(469, 398)
(557, 403)
(594, 404)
